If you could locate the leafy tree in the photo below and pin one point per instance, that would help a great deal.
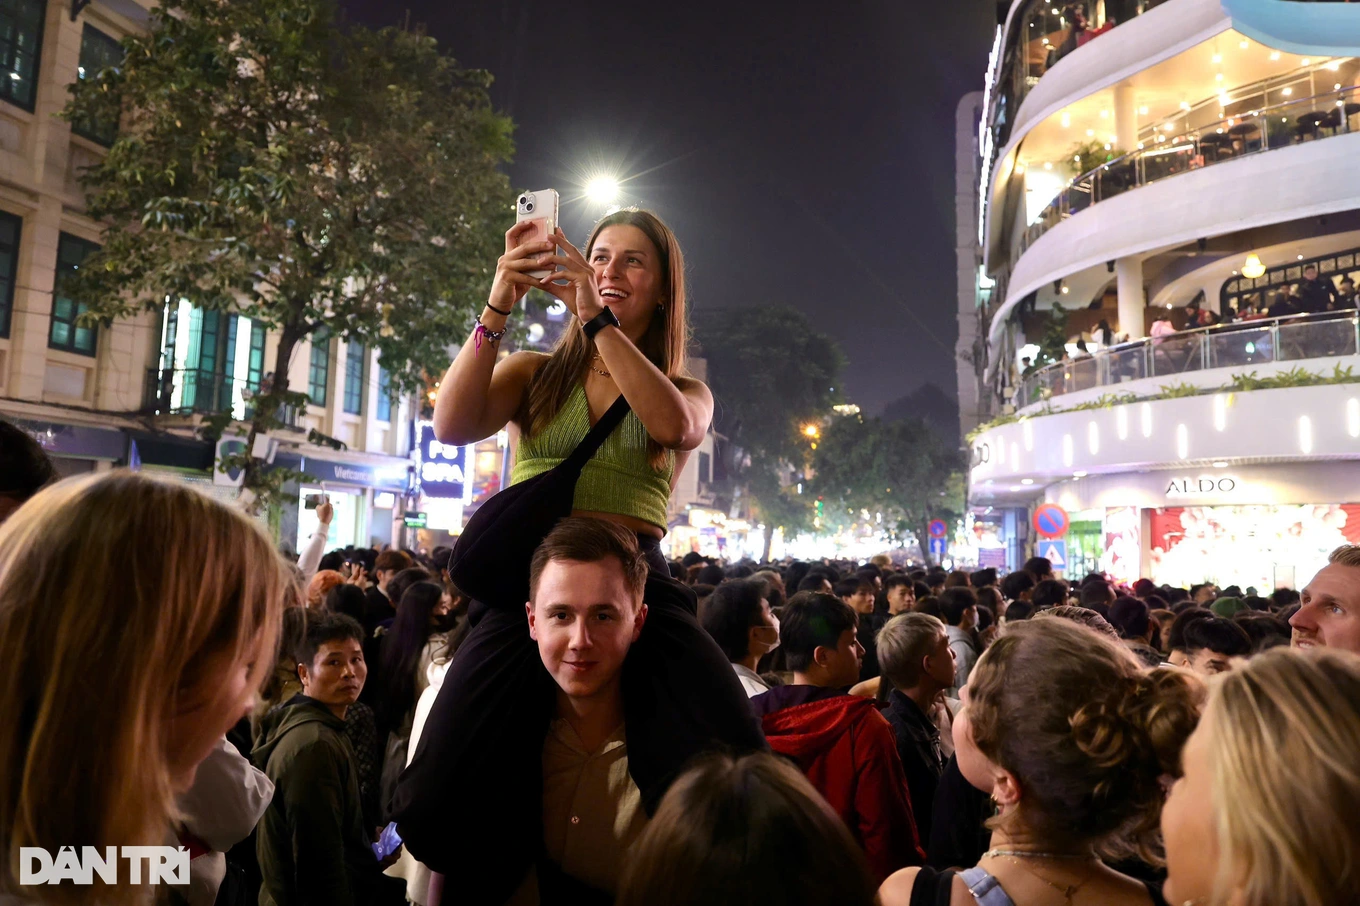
(901, 469)
(770, 372)
(1053, 344)
(308, 176)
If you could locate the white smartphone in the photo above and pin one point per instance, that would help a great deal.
(540, 208)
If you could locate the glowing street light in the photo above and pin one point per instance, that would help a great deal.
(602, 190)
(811, 431)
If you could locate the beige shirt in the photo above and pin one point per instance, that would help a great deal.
(592, 809)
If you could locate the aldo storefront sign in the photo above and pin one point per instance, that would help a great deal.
(1202, 486)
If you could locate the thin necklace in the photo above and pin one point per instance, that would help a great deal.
(1068, 891)
(596, 370)
(1027, 854)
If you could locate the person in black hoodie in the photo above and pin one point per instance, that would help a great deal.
(312, 843)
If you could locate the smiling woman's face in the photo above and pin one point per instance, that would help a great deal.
(628, 270)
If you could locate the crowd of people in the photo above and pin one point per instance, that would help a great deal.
(551, 712)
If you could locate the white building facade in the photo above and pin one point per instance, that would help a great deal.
(1148, 191)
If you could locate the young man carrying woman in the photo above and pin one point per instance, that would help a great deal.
(470, 805)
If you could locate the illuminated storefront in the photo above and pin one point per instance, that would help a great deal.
(1265, 526)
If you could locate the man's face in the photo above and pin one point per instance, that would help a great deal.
(384, 576)
(1206, 595)
(901, 599)
(336, 676)
(842, 662)
(1208, 663)
(862, 600)
(584, 618)
(1310, 273)
(940, 662)
(1329, 611)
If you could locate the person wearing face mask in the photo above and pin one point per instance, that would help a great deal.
(737, 615)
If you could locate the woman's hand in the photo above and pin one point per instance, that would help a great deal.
(581, 292)
(512, 280)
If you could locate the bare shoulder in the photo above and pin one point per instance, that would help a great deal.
(896, 891)
(526, 361)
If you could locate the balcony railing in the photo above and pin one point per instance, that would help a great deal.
(1267, 129)
(194, 392)
(1239, 344)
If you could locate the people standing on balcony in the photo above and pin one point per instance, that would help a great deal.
(1079, 31)
(1281, 307)
(1345, 294)
(1315, 294)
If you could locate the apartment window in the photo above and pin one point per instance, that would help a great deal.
(704, 468)
(98, 52)
(9, 264)
(384, 413)
(319, 373)
(21, 26)
(255, 363)
(64, 333)
(355, 356)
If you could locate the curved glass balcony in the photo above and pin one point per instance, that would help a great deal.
(1239, 344)
(1254, 132)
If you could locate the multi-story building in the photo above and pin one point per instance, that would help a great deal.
(133, 392)
(1153, 182)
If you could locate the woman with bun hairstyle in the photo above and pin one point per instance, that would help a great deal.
(138, 619)
(1265, 814)
(1077, 777)
(480, 756)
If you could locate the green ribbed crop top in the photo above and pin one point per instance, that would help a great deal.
(617, 479)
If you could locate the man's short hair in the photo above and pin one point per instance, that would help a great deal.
(1175, 635)
(903, 643)
(393, 560)
(1039, 567)
(1083, 615)
(1218, 634)
(1095, 591)
(1019, 610)
(323, 627)
(983, 577)
(1130, 617)
(397, 585)
(854, 585)
(931, 605)
(1016, 584)
(895, 580)
(955, 603)
(811, 582)
(1345, 555)
(1049, 593)
(584, 540)
(24, 467)
(729, 613)
(812, 620)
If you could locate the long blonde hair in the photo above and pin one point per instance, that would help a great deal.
(664, 344)
(1283, 736)
(115, 591)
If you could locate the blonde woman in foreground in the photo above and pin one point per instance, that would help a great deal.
(1265, 814)
(137, 620)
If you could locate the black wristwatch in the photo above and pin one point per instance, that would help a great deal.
(598, 323)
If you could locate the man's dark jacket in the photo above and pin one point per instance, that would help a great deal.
(918, 744)
(311, 841)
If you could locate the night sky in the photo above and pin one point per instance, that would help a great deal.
(803, 152)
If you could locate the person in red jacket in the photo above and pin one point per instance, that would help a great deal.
(841, 742)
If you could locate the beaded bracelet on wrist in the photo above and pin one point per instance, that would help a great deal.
(492, 336)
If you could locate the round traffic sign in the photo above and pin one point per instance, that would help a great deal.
(938, 529)
(1050, 520)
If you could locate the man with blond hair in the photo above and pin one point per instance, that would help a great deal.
(1329, 606)
(917, 659)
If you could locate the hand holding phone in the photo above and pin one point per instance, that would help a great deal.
(389, 841)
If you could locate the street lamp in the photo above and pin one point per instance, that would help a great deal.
(602, 190)
(811, 431)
